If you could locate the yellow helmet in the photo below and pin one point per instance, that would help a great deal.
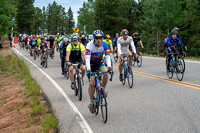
(107, 36)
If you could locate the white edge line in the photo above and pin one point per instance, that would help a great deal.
(81, 120)
(158, 58)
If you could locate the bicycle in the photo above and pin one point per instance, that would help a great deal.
(52, 53)
(138, 59)
(44, 59)
(181, 59)
(34, 52)
(127, 72)
(175, 66)
(77, 80)
(100, 97)
(66, 70)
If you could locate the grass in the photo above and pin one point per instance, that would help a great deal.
(11, 64)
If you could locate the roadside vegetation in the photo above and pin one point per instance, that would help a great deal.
(23, 107)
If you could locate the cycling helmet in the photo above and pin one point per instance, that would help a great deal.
(135, 34)
(83, 35)
(116, 34)
(108, 36)
(97, 33)
(124, 32)
(65, 40)
(74, 37)
(174, 32)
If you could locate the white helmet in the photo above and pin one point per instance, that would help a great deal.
(65, 40)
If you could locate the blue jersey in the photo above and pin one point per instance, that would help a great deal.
(172, 42)
(115, 42)
(43, 44)
(96, 53)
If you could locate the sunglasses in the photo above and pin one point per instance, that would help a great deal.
(98, 38)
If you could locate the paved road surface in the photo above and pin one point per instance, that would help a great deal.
(155, 104)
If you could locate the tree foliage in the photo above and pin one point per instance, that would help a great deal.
(153, 19)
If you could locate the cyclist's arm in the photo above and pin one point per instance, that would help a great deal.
(133, 47)
(141, 44)
(82, 51)
(87, 58)
(119, 47)
(111, 47)
(69, 48)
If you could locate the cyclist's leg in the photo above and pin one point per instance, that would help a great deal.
(103, 68)
(129, 55)
(120, 64)
(83, 70)
(71, 75)
(91, 88)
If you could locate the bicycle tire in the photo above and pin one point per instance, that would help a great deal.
(96, 105)
(130, 81)
(104, 110)
(79, 88)
(34, 54)
(139, 61)
(111, 64)
(115, 58)
(123, 77)
(133, 61)
(45, 62)
(170, 71)
(179, 71)
(183, 62)
(75, 84)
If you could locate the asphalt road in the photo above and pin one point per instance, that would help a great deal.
(155, 104)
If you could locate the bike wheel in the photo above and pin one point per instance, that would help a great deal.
(96, 105)
(139, 61)
(79, 88)
(133, 61)
(170, 71)
(130, 78)
(181, 59)
(179, 71)
(45, 62)
(34, 54)
(104, 111)
(115, 58)
(123, 77)
(76, 85)
(111, 64)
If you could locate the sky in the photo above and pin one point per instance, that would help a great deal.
(74, 4)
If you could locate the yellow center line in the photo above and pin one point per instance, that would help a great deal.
(165, 79)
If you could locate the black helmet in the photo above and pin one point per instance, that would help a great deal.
(135, 34)
(124, 32)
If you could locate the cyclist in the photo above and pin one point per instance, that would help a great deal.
(63, 48)
(20, 39)
(94, 61)
(26, 41)
(51, 44)
(58, 38)
(83, 40)
(136, 39)
(123, 48)
(43, 48)
(75, 53)
(171, 43)
(32, 44)
(115, 43)
(109, 42)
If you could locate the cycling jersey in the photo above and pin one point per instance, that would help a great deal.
(58, 39)
(38, 41)
(75, 51)
(43, 45)
(136, 40)
(172, 42)
(115, 42)
(63, 48)
(109, 43)
(123, 45)
(94, 54)
(51, 41)
(33, 42)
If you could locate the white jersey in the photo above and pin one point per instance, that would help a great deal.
(123, 45)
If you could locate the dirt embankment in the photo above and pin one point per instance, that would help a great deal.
(20, 110)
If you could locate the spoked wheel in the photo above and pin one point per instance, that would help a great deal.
(34, 54)
(139, 61)
(45, 62)
(181, 59)
(104, 110)
(179, 71)
(111, 64)
(96, 104)
(79, 88)
(130, 77)
(123, 77)
(115, 58)
(133, 61)
(170, 71)
(76, 85)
